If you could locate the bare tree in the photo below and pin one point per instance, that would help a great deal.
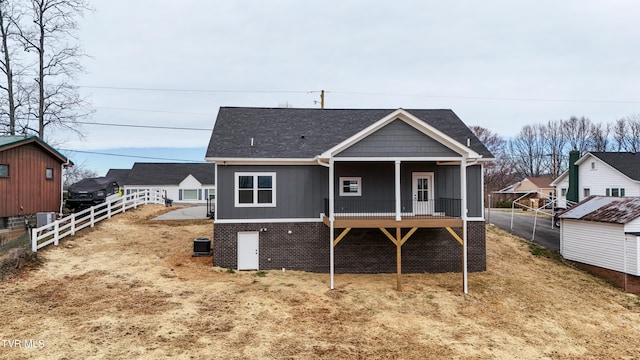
(54, 101)
(528, 151)
(600, 137)
(577, 131)
(9, 19)
(555, 143)
(499, 173)
(76, 173)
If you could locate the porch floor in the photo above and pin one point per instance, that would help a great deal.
(418, 221)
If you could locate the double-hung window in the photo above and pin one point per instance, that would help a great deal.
(255, 189)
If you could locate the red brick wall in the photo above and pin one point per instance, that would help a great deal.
(617, 278)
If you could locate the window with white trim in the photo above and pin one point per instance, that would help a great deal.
(189, 194)
(350, 186)
(255, 189)
(563, 192)
(614, 192)
(594, 166)
(586, 192)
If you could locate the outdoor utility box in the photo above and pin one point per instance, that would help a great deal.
(44, 218)
(202, 247)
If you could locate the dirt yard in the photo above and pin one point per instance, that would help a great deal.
(129, 289)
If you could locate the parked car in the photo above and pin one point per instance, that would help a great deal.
(89, 192)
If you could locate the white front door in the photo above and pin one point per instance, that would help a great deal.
(248, 257)
(423, 202)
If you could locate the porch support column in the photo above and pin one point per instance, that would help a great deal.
(463, 209)
(398, 200)
(331, 221)
(399, 257)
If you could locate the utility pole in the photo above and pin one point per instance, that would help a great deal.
(322, 99)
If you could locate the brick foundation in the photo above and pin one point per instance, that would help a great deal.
(361, 251)
(628, 283)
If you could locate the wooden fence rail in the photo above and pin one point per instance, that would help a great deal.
(53, 232)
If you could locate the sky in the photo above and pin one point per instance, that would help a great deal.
(497, 64)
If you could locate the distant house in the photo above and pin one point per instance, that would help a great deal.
(119, 175)
(30, 182)
(350, 190)
(532, 192)
(602, 235)
(602, 173)
(182, 182)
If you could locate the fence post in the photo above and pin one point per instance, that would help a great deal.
(34, 240)
(73, 224)
(92, 217)
(109, 210)
(56, 233)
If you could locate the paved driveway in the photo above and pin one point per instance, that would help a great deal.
(523, 227)
(187, 213)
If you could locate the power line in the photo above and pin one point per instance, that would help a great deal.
(153, 111)
(139, 126)
(197, 90)
(491, 98)
(129, 156)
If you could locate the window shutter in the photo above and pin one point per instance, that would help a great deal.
(621, 191)
(608, 192)
(206, 194)
(180, 194)
(199, 194)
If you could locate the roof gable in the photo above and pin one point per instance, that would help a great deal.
(290, 133)
(170, 173)
(401, 116)
(627, 163)
(12, 141)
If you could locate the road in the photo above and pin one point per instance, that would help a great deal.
(523, 227)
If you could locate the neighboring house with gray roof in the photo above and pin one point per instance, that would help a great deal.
(602, 235)
(293, 177)
(181, 182)
(119, 175)
(604, 174)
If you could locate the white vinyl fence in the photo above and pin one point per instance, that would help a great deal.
(53, 232)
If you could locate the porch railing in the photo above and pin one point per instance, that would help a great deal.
(361, 208)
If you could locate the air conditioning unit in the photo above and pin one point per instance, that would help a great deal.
(202, 247)
(44, 218)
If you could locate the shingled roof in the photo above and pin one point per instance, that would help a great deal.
(11, 141)
(627, 163)
(170, 173)
(287, 133)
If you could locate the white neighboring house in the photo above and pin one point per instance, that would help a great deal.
(603, 174)
(183, 183)
(603, 233)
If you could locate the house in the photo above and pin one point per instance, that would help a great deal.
(30, 182)
(190, 183)
(119, 175)
(602, 235)
(600, 173)
(318, 189)
(532, 192)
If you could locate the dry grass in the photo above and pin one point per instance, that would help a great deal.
(130, 289)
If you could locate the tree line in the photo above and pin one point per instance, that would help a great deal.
(40, 58)
(542, 150)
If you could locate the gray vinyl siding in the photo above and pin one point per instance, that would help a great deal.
(474, 191)
(378, 190)
(300, 192)
(398, 139)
